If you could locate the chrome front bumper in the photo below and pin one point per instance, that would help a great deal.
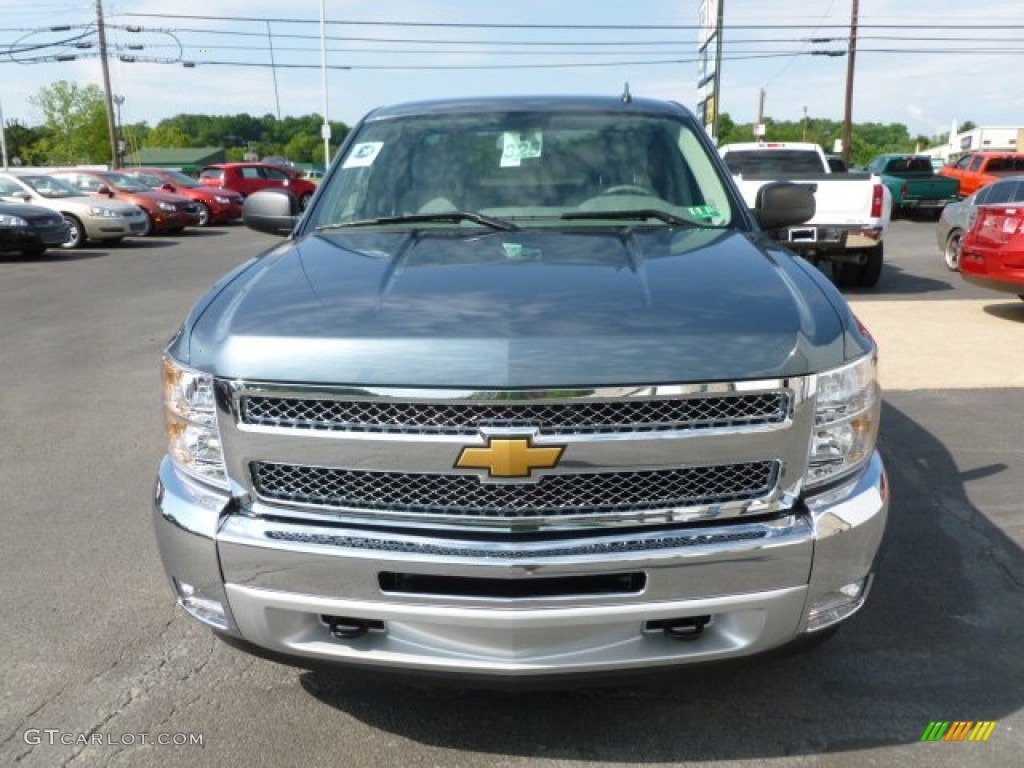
(270, 584)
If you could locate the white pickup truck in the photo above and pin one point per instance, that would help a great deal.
(852, 209)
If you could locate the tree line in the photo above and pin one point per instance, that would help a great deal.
(869, 139)
(74, 131)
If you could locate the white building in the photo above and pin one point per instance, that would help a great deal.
(981, 139)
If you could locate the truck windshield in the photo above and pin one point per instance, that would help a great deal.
(531, 168)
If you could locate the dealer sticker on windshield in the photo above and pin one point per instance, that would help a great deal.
(704, 212)
(363, 155)
(519, 147)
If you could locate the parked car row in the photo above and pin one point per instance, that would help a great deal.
(70, 207)
(86, 218)
(212, 205)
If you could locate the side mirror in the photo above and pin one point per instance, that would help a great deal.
(784, 204)
(168, 187)
(103, 189)
(274, 211)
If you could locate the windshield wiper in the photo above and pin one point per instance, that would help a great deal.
(633, 215)
(415, 218)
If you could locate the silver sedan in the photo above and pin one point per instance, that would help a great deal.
(957, 218)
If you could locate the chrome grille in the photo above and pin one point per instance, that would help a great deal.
(553, 496)
(639, 415)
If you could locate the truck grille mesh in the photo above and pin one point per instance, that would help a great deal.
(553, 496)
(466, 418)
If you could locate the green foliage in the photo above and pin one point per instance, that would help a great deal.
(167, 136)
(75, 128)
(75, 131)
(22, 143)
(869, 139)
(297, 138)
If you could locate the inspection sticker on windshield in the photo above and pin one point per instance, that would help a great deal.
(704, 212)
(363, 155)
(519, 147)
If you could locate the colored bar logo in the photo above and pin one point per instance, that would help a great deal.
(958, 730)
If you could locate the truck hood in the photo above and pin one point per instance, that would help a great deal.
(539, 308)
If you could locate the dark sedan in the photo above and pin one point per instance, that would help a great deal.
(30, 229)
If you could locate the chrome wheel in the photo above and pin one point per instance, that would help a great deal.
(951, 253)
(204, 215)
(76, 235)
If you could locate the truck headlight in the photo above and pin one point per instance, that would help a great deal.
(848, 406)
(193, 440)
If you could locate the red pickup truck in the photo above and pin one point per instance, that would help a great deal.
(978, 169)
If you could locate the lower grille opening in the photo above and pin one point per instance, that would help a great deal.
(564, 586)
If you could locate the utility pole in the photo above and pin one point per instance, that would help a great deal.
(3, 137)
(719, 25)
(111, 129)
(851, 56)
(273, 69)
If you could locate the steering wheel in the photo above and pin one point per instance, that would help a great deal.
(629, 189)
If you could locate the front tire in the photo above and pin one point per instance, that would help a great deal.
(204, 215)
(149, 229)
(76, 233)
(951, 253)
(304, 200)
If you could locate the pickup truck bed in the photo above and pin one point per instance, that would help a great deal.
(913, 183)
(852, 209)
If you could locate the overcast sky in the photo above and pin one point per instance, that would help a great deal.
(922, 77)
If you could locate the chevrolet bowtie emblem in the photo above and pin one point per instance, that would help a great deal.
(510, 457)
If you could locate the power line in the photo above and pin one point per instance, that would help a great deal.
(564, 27)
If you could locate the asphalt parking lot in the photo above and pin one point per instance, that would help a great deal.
(96, 654)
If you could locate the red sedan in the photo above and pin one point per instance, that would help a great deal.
(992, 253)
(246, 178)
(215, 205)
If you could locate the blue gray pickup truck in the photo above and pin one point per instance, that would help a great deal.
(526, 391)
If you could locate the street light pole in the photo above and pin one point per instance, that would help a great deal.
(325, 129)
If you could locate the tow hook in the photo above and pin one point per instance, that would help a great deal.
(686, 629)
(346, 628)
